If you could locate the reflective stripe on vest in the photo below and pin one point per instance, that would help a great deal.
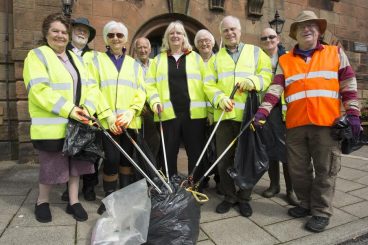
(312, 93)
(47, 121)
(315, 74)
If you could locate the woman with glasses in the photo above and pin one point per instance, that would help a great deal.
(270, 43)
(58, 90)
(174, 86)
(120, 79)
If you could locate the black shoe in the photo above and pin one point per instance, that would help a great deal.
(299, 212)
(77, 211)
(317, 223)
(224, 207)
(245, 209)
(89, 193)
(43, 213)
(271, 191)
(101, 209)
(65, 196)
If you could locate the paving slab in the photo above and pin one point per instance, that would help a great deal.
(10, 204)
(40, 235)
(83, 242)
(4, 221)
(294, 228)
(362, 152)
(351, 174)
(14, 189)
(25, 217)
(363, 180)
(202, 236)
(207, 242)
(356, 163)
(335, 236)
(362, 193)
(358, 209)
(347, 185)
(84, 229)
(343, 199)
(267, 212)
(237, 230)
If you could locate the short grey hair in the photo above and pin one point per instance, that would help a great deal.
(203, 32)
(111, 25)
(234, 19)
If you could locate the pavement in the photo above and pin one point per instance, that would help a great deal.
(269, 224)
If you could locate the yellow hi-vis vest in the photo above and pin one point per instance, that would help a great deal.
(51, 91)
(157, 86)
(122, 89)
(224, 73)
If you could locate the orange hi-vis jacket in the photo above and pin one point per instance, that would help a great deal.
(312, 89)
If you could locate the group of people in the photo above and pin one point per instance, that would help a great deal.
(188, 91)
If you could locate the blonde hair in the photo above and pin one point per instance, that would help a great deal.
(178, 25)
(118, 25)
(203, 32)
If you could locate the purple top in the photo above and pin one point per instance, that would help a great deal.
(117, 62)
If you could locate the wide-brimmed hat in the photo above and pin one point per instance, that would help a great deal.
(307, 15)
(85, 22)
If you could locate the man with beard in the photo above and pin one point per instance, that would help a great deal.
(83, 33)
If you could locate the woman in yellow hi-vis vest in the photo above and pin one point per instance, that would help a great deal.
(57, 84)
(121, 80)
(174, 85)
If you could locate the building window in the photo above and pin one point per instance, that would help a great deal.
(217, 5)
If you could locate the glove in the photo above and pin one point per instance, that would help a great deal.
(355, 125)
(246, 85)
(259, 119)
(77, 114)
(157, 108)
(112, 126)
(226, 104)
(125, 118)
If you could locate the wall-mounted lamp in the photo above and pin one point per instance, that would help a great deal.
(67, 7)
(277, 23)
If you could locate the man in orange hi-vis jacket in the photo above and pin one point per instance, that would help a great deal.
(314, 78)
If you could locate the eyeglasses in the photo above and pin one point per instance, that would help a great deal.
(112, 35)
(271, 37)
(204, 41)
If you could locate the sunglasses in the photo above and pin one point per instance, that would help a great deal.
(268, 37)
(112, 35)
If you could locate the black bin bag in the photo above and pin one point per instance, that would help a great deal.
(81, 142)
(174, 217)
(251, 160)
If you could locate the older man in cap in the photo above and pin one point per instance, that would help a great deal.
(314, 78)
(83, 33)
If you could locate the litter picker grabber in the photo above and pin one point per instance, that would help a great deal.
(189, 181)
(195, 187)
(147, 160)
(163, 143)
(123, 152)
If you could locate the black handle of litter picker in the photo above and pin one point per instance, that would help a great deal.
(190, 177)
(236, 87)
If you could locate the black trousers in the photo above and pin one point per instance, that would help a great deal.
(114, 158)
(189, 131)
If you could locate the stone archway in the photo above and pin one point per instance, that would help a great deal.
(154, 30)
